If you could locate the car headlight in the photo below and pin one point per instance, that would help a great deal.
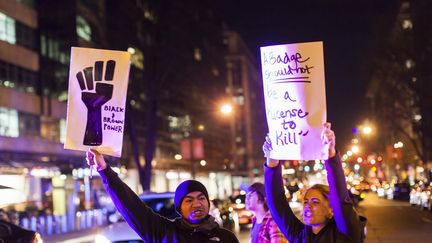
(101, 239)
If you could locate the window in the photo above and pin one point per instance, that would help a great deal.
(43, 45)
(409, 63)
(8, 122)
(52, 49)
(51, 129)
(63, 95)
(7, 28)
(29, 3)
(62, 131)
(137, 58)
(29, 125)
(179, 126)
(15, 32)
(25, 36)
(12, 76)
(179, 123)
(149, 15)
(83, 28)
(197, 54)
(407, 24)
(215, 71)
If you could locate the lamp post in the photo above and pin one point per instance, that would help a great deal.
(367, 130)
(228, 110)
(192, 145)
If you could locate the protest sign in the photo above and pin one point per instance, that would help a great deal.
(96, 100)
(295, 102)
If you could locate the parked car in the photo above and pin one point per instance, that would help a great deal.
(429, 202)
(12, 233)
(382, 189)
(120, 231)
(401, 191)
(363, 186)
(415, 198)
(425, 197)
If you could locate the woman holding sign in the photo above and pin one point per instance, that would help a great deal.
(328, 213)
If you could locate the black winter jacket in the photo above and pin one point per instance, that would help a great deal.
(152, 227)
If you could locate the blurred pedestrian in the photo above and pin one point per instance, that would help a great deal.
(264, 228)
(191, 201)
(13, 217)
(3, 215)
(328, 211)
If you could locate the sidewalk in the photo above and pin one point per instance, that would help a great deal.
(81, 236)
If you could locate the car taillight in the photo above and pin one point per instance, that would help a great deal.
(37, 238)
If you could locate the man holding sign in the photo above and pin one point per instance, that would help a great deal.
(294, 90)
(97, 95)
(191, 201)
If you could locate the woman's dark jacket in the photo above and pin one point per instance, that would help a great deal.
(152, 227)
(345, 226)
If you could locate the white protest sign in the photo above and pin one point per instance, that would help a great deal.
(294, 94)
(98, 82)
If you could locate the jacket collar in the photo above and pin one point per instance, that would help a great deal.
(207, 225)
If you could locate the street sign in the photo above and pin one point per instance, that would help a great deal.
(197, 148)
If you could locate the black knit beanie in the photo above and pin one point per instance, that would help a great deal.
(185, 188)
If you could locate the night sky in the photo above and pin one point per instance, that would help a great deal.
(352, 31)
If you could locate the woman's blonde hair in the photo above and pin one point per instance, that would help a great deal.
(323, 189)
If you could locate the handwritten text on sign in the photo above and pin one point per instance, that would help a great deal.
(113, 123)
(294, 92)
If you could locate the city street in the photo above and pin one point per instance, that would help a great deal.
(388, 221)
(395, 221)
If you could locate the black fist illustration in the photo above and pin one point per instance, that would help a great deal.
(94, 94)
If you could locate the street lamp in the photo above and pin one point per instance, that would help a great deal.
(367, 130)
(226, 109)
(192, 145)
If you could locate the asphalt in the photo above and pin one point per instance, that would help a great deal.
(81, 236)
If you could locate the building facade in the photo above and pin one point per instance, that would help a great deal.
(248, 125)
(404, 119)
(184, 64)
